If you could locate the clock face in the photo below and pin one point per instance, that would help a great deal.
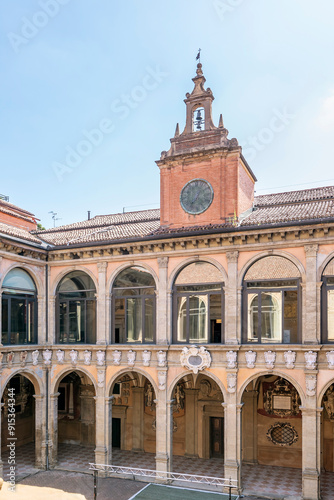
(196, 196)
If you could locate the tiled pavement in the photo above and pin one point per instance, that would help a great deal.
(257, 480)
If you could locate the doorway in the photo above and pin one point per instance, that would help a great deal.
(116, 432)
(216, 437)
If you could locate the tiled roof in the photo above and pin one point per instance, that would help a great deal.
(16, 232)
(10, 209)
(105, 228)
(303, 195)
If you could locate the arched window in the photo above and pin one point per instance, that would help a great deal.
(19, 308)
(328, 303)
(271, 302)
(134, 307)
(76, 305)
(198, 304)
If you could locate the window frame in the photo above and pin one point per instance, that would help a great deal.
(270, 289)
(324, 309)
(188, 294)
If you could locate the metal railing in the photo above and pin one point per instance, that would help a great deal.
(162, 475)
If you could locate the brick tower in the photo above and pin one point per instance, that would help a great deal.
(204, 178)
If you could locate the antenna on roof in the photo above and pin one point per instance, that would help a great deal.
(54, 214)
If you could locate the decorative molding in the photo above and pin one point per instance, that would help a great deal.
(232, 257)
(146, 357)
(60, 356)
(290, 359)
(74, 357)
(131, 355)
(195, 358)
(231, 382)
(270, 358)
(23, 357)
(231, 357)
(283, 434)
(311, 250)
(250, 359)
(163, 262)
(162, 358)
(100, 378)
(100, 357)
(10, 358)
(47, 356)
(330, 359)
(311, 385)
(34, 357)
(87, 355)
(310, 359)
(102, 266)
(117, 356)
(162, 379)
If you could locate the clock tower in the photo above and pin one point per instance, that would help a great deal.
(204, 178)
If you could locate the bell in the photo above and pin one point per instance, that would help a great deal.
(199, 116)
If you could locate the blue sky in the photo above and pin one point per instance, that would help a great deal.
(70, 67)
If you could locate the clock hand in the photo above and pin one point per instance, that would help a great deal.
(196, 196)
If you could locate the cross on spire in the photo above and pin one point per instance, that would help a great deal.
(198, 57)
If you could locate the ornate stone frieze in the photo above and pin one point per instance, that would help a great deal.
(250, 359)
(270, 358)
(330, 359)
(60, 356)
(281, 399)
(162, 358)
(10, 359)
(23, 357)
(290, 359)
(231, 382)
(87, 355)
(231, 357)
(195, 358)
(311, 360)
(35, 356)
(282, 433)
(117, 356)
(311, 385)
(146, 357)
(131, 355)
(74, 357)
(47, 356)
(100, 357)
(162, 378)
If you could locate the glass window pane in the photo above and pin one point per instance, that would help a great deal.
(272, 284)
(330, 314)
(91, 321)
(271, 317)
(197, 288)
(76, 321)
(182, 319)
(198, 318)
(290, 329)
(18, 321)
(19, 279)
(253, 317)
(62, 322)
(77, 281)
(134, 320)
(31, 322)
(134, 277)
(4, 319)
(120, 337)
(215, 318)
(149, 319)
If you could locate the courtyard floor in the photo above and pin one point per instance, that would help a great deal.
(259, 480)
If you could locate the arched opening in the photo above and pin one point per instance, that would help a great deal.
(133, 421)
(327, 309)
(327, 443)
(272, 302)
(76, 420)
(271, 437)
(198, 426)
(19, 308)
(198, 304)
(134, 307)
(198, 119)
(76, 306)
(18, 436)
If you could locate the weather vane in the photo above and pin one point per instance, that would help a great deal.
(198, 57)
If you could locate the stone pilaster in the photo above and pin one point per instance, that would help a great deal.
(311, 310)
(231, 299)
(162, 330)
(1, 462)
(101, 421)
(53, 429)
(164, 433)
(249, 427)
(311, 451)
(191, 396)
(40, 431)
(138, 419)
(108, 405)
(41, 319)
(232, 417)
(52, 320)
(101, 332)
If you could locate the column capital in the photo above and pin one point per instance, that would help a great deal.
(162, 262)
(232, 257)
(311, 250)
(102, 266)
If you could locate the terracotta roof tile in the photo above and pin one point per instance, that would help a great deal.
(17, 232)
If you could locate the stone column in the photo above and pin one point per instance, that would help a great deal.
(41, 319)
(191, 431)
(101, 332)
(101, 420)
(164, 433)
(249, 427)
(311, 332)
(232, 417)
(40, 431)
(108, 404)
(1, 462)
(53, 430)
(311, 452)
(231, 300)
(163, 333)
(138, 419)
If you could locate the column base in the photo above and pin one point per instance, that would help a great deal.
(311, 484)
(232, 471)
(101, 455)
